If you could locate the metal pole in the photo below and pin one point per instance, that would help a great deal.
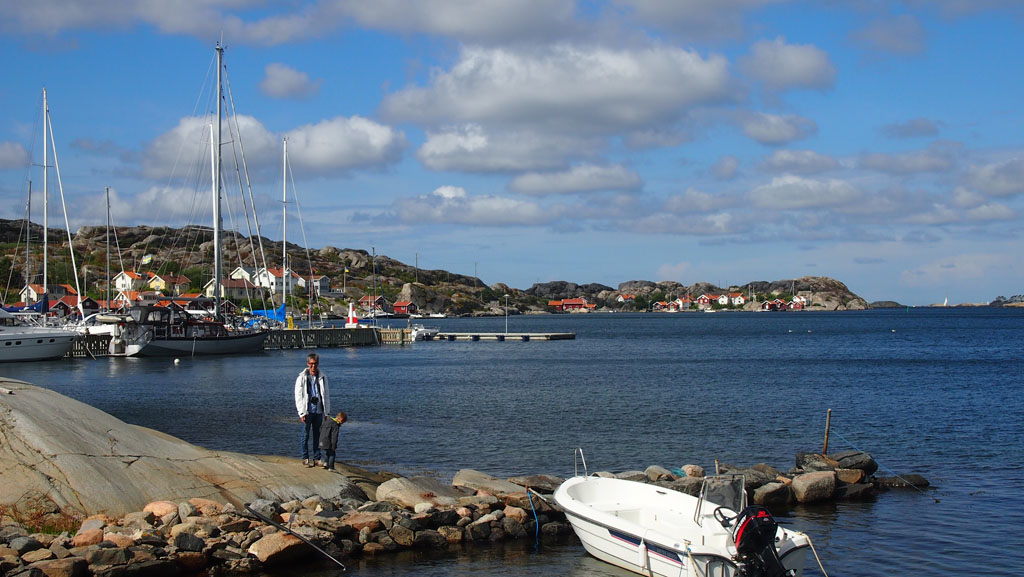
(828, 425)
(506, 314)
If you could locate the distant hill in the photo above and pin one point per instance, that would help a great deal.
(188, 251)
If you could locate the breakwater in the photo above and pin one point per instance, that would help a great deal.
(393, 513)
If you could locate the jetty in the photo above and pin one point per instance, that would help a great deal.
(96, 346)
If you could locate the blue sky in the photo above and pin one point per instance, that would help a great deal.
(878, 143)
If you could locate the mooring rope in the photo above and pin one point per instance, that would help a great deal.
(815, 551)
(881, 466)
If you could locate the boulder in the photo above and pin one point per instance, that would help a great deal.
(774, 493)
(546, 484)
(66, 567)
(477, 481)
(276, 548)
(430, 539)
(855, 492)
(850, 476)
(95, 462)
(658, 473)
(815, 486)
(693, 470)
(855, 460)
(411, 491)
(815, 462)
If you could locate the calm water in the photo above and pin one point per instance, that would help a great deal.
(931, 391)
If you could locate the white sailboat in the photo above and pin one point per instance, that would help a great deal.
(21, 340)
(174, 331)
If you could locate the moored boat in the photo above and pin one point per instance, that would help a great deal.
(21, 341)
(171, 331)
(652, 530)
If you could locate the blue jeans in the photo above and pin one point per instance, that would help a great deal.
(312, 424)
(330, 459)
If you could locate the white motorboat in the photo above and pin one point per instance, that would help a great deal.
(652, 530)
(21, 341)
(423, 333)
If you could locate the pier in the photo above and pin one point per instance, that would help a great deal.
(95, 346)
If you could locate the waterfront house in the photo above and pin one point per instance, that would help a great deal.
(737, 299)
(405, 308)
(659, 306)
(129, 280)
(723, 299)
(276, 280)
(169, 283)
(373, 303)
(577, 304)
(232, 288)
(557, 305)
(67, 305)
(317, 283)
(246, 272)
(624, 298)
(684, 303)
(796, 305)
(704, 301)
(33, 292)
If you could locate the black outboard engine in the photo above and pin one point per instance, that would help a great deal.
(754, 535)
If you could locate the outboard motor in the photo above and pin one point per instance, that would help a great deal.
(754, 535)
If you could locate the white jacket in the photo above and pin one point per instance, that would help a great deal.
(302, 395)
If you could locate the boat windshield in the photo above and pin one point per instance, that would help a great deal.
(722, 491)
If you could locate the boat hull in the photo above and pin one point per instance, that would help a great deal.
(651, 530)
(191, 346)
(34, 344)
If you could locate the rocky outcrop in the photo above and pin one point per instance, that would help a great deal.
(62, 455)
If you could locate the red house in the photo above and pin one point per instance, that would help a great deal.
(405, 308)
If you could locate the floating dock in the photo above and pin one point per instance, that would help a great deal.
(524, 337)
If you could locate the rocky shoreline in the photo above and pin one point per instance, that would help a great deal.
(201, 536)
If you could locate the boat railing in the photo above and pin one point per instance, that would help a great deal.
(575, 463)
(721, 491)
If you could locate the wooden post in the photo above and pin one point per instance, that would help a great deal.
(828, 425)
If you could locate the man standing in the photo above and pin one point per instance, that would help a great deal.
(312, 401)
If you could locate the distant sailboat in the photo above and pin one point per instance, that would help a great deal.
(945, 302)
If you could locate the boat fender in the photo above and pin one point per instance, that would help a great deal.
(641, 554)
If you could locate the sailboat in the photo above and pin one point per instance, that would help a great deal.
(21, 340)
(172, 330)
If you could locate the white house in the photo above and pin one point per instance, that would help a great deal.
(244, 272)
(276, 280)
(128, 280)
(737, 299)
(232, 288)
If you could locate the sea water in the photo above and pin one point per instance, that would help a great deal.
(937, 392)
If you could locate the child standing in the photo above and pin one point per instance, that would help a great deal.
(329, 437)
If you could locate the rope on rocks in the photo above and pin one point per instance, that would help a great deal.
(300, 537)
(536, 521)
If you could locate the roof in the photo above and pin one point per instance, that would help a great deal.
(403, 303)
(172, 278)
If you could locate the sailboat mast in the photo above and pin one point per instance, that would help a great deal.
(284, 224)
(106, 192)
(46, 170)
(28, 236)
(217, 265)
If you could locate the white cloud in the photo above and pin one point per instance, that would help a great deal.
(451, 205)
(582, 178)
(566, 88)
(344, 143)
(771, 129)
(480, 20)
(331, 146)
(991, 211)
(780, 66)
(799, 161)
(693, 200)
(795, 192)
(13, 155)
(935, 215)
(998, 179)
(473, 148)
(282, 81)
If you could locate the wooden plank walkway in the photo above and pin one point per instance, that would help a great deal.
(523, 337)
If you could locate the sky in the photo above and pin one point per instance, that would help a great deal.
(729, 141)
